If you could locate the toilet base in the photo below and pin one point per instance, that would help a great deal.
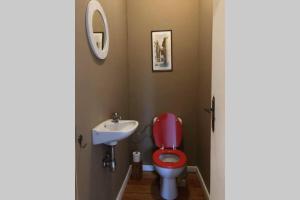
(168, 188)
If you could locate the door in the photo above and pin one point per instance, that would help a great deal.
(217, 179)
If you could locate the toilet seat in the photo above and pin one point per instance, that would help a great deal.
(171, 165)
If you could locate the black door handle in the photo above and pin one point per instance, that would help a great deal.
(212, 111)
(209, 110)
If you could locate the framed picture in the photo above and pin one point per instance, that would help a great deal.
(99, 39)
(161, 43)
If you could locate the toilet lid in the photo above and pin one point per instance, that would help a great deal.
(180, 162)
(167, 131)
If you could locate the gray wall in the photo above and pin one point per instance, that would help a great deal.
(101, 88)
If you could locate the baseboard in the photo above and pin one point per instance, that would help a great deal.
(123, 187)
(196, 170)
(148, 168)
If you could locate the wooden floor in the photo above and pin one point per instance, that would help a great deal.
(148, 188)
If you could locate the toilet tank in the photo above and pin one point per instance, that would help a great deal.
(167, 131)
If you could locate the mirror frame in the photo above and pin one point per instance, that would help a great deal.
(95, 6)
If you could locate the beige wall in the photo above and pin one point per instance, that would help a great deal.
(186, 90)
(154, 93)
(131, 88)
(101, 88)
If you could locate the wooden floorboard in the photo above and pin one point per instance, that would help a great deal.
(148, 188)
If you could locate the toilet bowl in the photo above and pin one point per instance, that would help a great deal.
(168, 161)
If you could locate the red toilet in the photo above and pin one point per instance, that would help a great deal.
(169, 162)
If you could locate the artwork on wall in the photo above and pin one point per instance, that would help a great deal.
(161, 50)
(99, 38)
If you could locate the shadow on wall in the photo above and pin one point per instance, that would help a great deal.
(142, 140)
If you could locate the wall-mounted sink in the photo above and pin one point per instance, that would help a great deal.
(109, 132)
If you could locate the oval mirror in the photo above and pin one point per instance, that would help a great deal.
(97, 29)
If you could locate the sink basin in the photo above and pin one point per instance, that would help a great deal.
(110, 133)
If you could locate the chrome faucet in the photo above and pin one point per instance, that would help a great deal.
(116, 117)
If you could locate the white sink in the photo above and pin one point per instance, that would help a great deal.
(110, 133)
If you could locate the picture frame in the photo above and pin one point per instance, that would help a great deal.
(99, 39)
(161, 51)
